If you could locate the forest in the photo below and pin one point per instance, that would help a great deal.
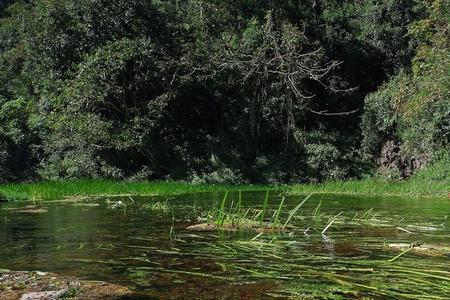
(236, 91)
(224, 149)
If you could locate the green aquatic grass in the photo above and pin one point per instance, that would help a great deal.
(277, 213)
(375, 187)
(237, 218)
(264, 209)
(55, 190)
(157, 206)
(302, 273)
(433, 181)
(295, 210)
(221, 213)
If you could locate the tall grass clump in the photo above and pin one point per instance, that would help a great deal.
(236, 218)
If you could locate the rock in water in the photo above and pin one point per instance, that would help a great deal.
(50, 295)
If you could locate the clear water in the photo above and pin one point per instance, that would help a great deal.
(133, 245)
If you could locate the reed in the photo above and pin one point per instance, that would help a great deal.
(236, 217)
(221, 214)
(415, 187)
(57, 190)
(277, 214)
(294, 211)
(264, 209)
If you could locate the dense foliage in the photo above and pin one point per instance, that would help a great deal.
(222, 91)
(412, 110)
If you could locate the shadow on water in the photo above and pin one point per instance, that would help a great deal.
(143, 243)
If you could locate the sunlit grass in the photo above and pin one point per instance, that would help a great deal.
(433, 181)
(230, 216)
(375, 187)
(54, 190)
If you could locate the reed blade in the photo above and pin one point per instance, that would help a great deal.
(294, 211)
(263, 213)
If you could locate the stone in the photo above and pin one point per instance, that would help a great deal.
(50, 295)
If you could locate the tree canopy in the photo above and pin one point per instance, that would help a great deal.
(222, 91)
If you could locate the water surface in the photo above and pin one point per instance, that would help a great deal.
(148, 248)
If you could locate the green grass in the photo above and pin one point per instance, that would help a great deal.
(55, 190)
(375, 187)
(234, 217)
(434, 181)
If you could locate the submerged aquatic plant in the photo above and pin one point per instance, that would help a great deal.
(307, 274)
(162, 206)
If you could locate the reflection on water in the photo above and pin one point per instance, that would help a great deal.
(143, 243)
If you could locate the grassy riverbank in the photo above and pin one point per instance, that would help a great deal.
(372, 187)
(433, 181)
(59, 189)
(53, 190)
